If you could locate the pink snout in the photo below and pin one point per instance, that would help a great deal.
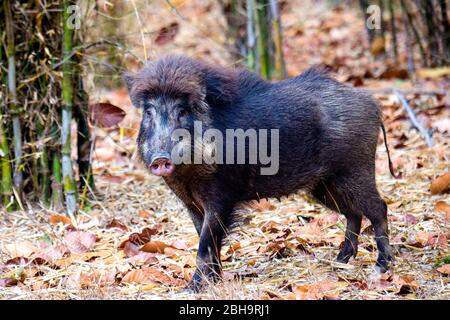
(162, 167)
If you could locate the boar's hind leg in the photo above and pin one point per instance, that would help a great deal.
(333, 198)
(377, 214)
(209, 266)
(354, 196)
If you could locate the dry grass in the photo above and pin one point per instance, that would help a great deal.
(256, 269)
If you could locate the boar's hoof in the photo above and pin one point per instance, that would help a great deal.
(345, 254)
(197, 284)
(194, 287)
(201, 280)
(384, 263)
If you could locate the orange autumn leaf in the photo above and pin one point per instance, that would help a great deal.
(150, 275)
(154, 247)
(58, 218)
(440, 184)
(443, 207)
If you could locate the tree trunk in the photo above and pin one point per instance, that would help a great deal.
(393, 29)
(446, 30)
(414, 30)
(433, 46)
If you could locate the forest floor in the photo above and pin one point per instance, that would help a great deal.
(135, 240)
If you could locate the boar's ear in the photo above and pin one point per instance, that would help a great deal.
(128, 77)
(201, 99)
(130, 80)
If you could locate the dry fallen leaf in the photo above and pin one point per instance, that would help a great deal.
(144, 236)
(58, 218)
(8, 282)
(148, 275)
(261, 205)
(437, 241)
(445, 269)
(440, 184)
(97, 278)
(105, 114)
(443, 207)
(167, 34)
(20, 249)
(79, 241)
(116, 224)
(154, 246)
(143, 258)
(130, 249)
(319, 290)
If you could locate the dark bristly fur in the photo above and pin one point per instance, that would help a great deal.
(328, 138)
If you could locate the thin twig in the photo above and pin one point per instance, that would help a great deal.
(413, 118)
(175, 9)
(141, 29)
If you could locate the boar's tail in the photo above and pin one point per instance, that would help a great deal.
(391, 166)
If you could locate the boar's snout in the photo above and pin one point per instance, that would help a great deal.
(162, 166)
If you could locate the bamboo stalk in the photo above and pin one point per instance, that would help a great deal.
(251, 37)
(70, 188)
(45, 176)
(84, 141)
(34, 162)
(279, 65)
(5, 164)
(262, 38)
(43, 168)
(57, 190)
(14, 110)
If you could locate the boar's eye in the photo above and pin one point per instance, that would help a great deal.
(183, 113)
(148, 112)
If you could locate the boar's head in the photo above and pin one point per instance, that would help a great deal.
(171, 93)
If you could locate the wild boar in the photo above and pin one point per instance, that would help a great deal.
(315, 134)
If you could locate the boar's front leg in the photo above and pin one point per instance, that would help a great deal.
(209, 266)
(196, 215)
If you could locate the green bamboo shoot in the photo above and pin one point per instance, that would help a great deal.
(70, 187)
(14, 109)
(7, 186)
(279, 65)
(251, 37)
(262, 39)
